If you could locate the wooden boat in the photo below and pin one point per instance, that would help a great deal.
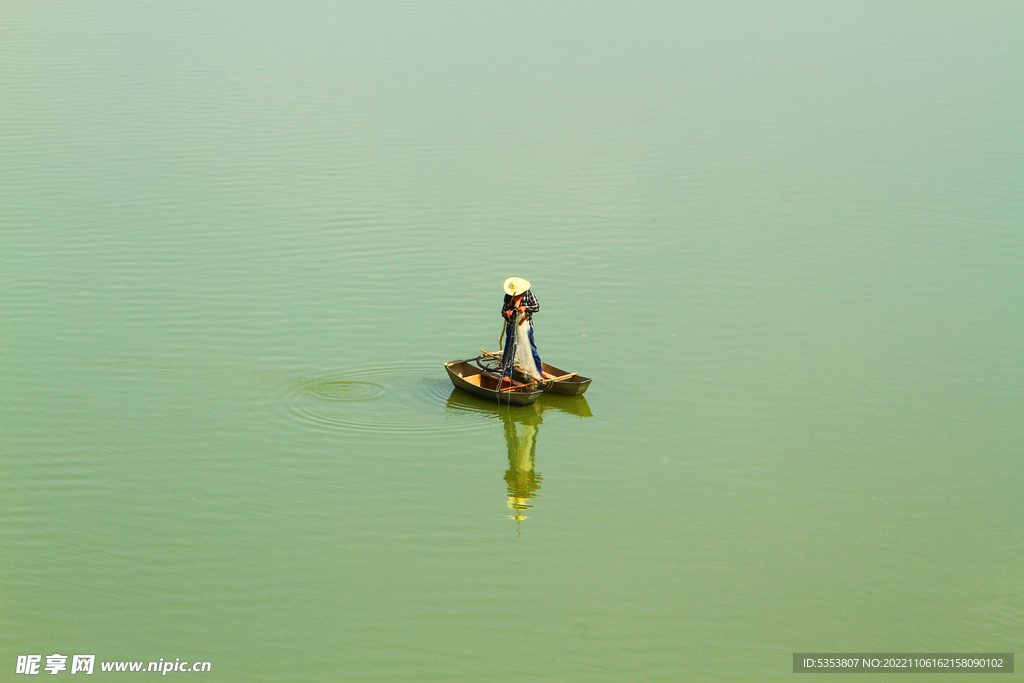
(566, 383)
(469, 377)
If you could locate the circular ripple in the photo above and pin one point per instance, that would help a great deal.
(396, 399)
(343, 390)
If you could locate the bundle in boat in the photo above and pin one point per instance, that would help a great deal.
(563, 382)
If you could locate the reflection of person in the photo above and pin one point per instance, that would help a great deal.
(523, 481)
(518, 309)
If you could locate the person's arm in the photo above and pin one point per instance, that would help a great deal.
(529, 303)
(506, 307)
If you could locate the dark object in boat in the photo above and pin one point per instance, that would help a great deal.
(568, 384)
(468, 377)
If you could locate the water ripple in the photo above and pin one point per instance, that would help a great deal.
(385, 399)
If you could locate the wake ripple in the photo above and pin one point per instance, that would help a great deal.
(388, 399)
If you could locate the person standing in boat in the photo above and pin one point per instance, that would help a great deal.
(518, 309)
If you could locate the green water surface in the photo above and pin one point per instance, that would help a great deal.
(238, 241)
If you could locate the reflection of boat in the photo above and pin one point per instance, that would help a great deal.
(569, 383)
(468, 377)
(574, 405)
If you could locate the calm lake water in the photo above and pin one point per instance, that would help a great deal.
(237, 243)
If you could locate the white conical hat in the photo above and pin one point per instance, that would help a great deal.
(516, 285)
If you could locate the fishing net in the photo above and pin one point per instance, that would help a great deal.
(524, 351)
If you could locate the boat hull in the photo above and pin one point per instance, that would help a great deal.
(471, 379)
